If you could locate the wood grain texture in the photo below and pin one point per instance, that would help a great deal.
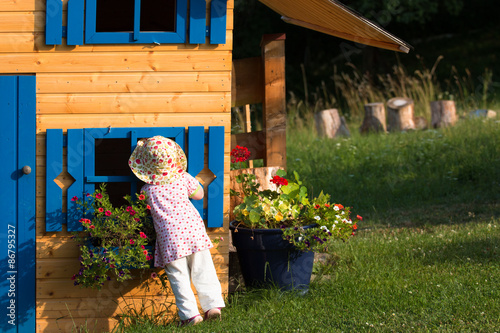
(115, 103)
(72, 62)
(145, 82)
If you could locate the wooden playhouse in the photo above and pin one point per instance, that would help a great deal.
(80, 82)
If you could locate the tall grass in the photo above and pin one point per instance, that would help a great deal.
(351, 90)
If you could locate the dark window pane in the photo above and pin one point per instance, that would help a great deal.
(158, 15)
(111, 157)
(115, 16)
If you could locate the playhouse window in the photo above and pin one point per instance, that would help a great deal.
(111, 159)
(135, 21)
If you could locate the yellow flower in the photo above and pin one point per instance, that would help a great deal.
(266, 207)
(278, 217)
(245, 212)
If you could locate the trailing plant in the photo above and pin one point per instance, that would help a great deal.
(114, 239)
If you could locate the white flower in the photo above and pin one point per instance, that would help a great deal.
(333, 226)
(335, 208)
(337, 216)
(324, 228)
(317, 218)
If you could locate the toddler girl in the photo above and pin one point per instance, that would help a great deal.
(182, 244)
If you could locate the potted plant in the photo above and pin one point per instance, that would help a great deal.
(276, 231)
(114, 240)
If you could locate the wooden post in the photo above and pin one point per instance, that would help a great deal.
(400, 114)
(443, 114)
(330, 124)
(274, 105)
(248, 127)
(374, 118)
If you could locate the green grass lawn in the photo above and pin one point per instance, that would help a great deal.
(427, 255)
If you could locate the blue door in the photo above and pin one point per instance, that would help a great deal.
(17, 203)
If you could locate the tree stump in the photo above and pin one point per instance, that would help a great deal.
(330, 124)
(443, 114)
(400, 114)
(374, 118)
(420, 123)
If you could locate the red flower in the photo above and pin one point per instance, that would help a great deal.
(327, 205)
(354, 227)
(132, 242)
(74, 198)
(359, 217)
(132, 212)
(154, 275)
(240, 154)
(107, 213)
(92, 227)
(98, 196)
(317, 206)
(143, 235)
(143, 247)
(142, 197)
(101, 209)
(279, 180)
(145, 252)
(339, 206)
(148, 207)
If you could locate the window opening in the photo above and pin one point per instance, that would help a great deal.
(119, 15)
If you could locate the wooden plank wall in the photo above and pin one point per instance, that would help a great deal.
(118, 86)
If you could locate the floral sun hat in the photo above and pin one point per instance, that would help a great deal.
(158, 161)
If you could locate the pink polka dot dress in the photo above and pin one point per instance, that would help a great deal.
(180, 230)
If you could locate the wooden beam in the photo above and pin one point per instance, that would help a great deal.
(246, 82)
(274, 106)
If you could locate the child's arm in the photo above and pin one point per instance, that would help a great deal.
(198, 194)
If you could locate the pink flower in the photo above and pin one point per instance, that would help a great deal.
(145, 252)
(101, 209)
(143, 235)
(132, 242)
(74, 198)
(154, 275)
(359, 217)
(132, 212)
(98, 196)
(129, 208)
(107, 213)
(143, 247)
(92, 227)
(142, 197)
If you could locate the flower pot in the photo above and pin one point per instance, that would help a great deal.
(267, 259)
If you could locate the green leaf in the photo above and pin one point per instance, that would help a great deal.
(281, 172)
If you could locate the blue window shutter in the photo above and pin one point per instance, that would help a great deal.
(53, 22)
(218, 13)
(54, 217)
(75, 22)
(89, 161)
(75, 158)
(197, 21)
(195, 157)
(216, 187)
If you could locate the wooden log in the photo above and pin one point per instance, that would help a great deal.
(443, 113)
(400, 114)
(330, 124)
(420, 123)
(374, 118)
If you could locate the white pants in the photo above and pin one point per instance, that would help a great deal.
(198, 268)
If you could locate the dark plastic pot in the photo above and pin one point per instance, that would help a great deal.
(267, 259)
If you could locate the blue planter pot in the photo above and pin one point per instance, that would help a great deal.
(267, 259)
